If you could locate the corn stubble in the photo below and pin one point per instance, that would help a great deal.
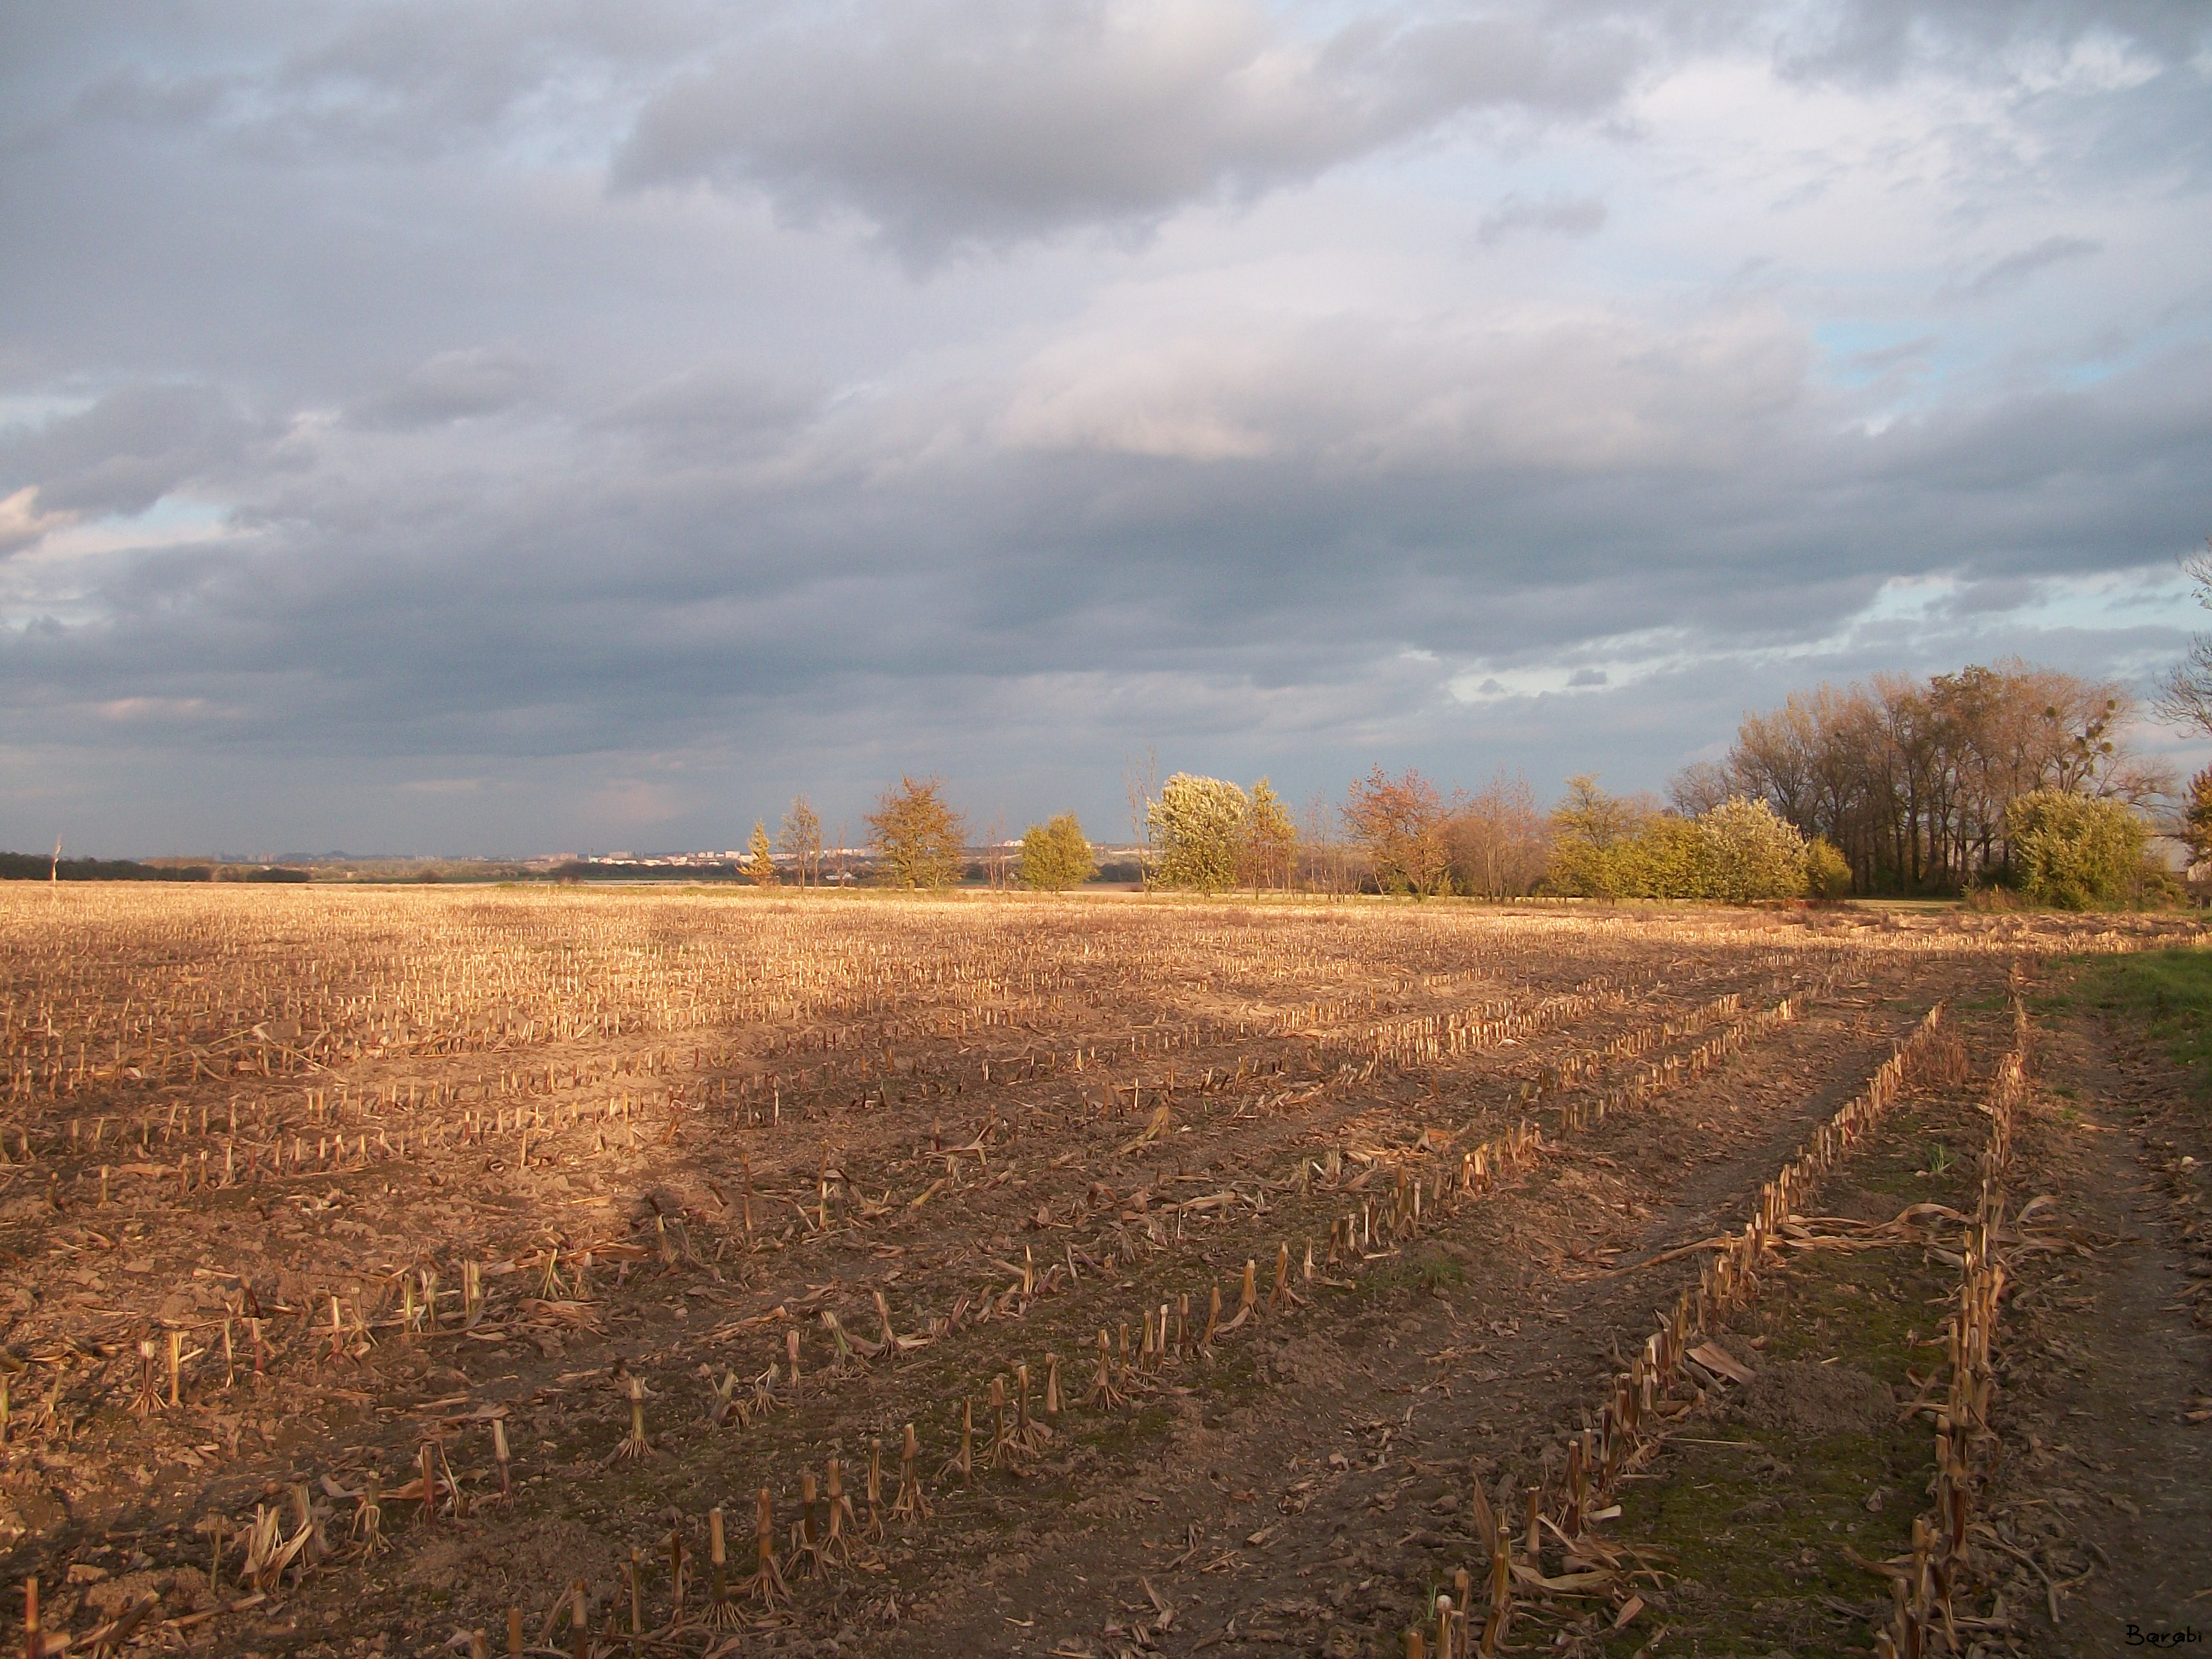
(750, 1086)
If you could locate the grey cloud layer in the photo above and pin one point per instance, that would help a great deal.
(1563, 216)
(1884, 39)
(601, 600)
(488, 433)
(455, 386)
(125, 452)
(2014, 269)
(991, 121)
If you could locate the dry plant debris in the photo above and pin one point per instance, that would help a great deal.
(312, 1201)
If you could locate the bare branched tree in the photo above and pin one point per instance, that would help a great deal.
(802, 840)
(1912, 780)
(2185, 698)
(1498, 838)
(1140, 782)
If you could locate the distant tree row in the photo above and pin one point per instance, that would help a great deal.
(41, 866)
(2007, 775)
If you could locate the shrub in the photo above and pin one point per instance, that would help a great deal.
(2071, 852)
(1668, 858)
(1754, 852)
(2159, 889)
(1827, 872)
(1055, 855)
(1739, 850)
(1589, 827)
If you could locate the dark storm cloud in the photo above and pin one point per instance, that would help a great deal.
(635, 616)
(993, 121)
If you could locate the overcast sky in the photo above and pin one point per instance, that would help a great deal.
(558, 426)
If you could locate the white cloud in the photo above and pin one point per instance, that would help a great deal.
(1537, 386)
(23, 525)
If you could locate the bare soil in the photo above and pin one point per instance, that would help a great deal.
(393, 1168)
(2111, 1383)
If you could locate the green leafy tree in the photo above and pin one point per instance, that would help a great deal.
(1269, 852)
(1056, 855)
(1827, 872)
(1587, 826)
(1666, 858)
(2073, 852)
(1753, 852)
(1198, 827)
(918, 837)
(760, 864)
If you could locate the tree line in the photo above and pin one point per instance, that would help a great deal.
(1914, 781)
(2009, 777)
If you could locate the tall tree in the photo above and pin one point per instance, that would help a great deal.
(1320, 849)
(760, 865)
(918, 837)
(1498, 839)
(1197, 826)
(802, 840)
(1140, 781)
(1267, 856)
(2185, 699)
(1400, 823)
(1911, 780)
(1700, 786)
(995, 860)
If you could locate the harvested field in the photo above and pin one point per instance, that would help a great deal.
(1076, 1277)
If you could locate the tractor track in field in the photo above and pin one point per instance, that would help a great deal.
(1526, 1327)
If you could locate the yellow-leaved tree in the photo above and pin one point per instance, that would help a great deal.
(919, 838)
(760, 863)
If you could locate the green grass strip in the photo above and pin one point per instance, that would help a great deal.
(2167, 993)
